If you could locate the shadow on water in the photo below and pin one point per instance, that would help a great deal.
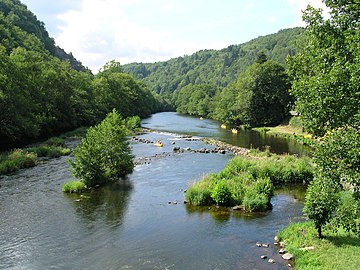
(107, 203)
(297, 191)
(222, 214)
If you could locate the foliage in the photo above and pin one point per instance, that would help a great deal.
(250, 181)
(221, 194)
(326, 73)
(320, 202)
(49, 151)
(16, 160)
(194, 99)
(259, 97)
(347, 214)
(338, 169)
(55, 141)
(212, 67)
(74, 187)
(296, 122)
(104, 154)
(255, 202)
(337, 250)
(44, 91)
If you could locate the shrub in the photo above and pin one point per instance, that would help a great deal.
(134, 122)
(16, 160)
(49, 151)
(74, 187)
(296, 122)
(104, 154)
(221, 194)
(347, 214)
(250, 180)
(198, 196)
(255, 202)
(56, 141)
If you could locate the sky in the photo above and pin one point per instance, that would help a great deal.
(98, 31)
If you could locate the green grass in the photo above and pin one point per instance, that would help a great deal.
(250, 180)
(74, 187)
(16, 160)
(337, 250)
(49, 151)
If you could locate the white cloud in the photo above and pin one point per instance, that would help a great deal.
(299, 6)
(98, 31)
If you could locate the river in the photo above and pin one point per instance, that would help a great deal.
(138, 223)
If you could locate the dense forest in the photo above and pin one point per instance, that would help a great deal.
(215, 67)
(44, 91)
(241, 85)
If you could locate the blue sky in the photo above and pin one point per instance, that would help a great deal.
(97, 31)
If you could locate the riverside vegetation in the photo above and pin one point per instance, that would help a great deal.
(42, 94)
(249, 180)
(104, 155)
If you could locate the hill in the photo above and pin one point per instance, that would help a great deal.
(19, 26)
(215, 67)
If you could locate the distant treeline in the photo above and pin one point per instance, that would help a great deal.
(215, 67)
(242, 85)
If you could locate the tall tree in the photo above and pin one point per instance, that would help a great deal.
(326, 73)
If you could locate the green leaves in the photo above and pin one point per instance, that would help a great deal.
(326, 72)
(104, 154)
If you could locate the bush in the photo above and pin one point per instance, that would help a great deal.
(221, 194)
(250, 180)
(347, 214)
(74, 187)
(133, 123)
(296, 122)
(56, 141)
(198, 196)
(254, 202)
(49, 151)
(17, 159)
(104, 154)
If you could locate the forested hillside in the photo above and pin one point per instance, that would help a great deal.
(41, 94)
(19, 26)
(215, 67)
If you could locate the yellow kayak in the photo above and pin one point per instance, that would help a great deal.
(234, 130)
(223, 126)
(158, 144)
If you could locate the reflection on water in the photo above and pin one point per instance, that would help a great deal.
(130, 224)
(108, 203)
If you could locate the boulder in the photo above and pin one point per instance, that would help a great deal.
(271, 261)
(287, 256)
(282, 251)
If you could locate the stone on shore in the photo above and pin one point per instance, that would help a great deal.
(287, 256)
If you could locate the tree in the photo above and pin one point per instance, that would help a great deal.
(262, 94)
(104, 154)
(320, 202)
(326, 73)
(338, 170)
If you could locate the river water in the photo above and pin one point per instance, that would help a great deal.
(138, 223)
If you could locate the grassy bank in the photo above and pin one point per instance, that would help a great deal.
(13, 161)
(290, 128)
(337, 250)
(249, 180)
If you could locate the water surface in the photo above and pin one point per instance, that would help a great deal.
(131, 224)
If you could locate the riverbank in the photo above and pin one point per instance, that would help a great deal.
(337, 250)
(17, 159)
(289, 128)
